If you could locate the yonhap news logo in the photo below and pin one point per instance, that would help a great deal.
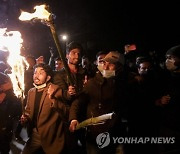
(104, 140)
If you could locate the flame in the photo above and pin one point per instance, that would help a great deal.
(40, 13)
(12, 42)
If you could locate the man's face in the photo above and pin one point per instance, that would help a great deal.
(40, 77)
(172, 62)
(109, 66)
(144, 68)
(58, 65)
(108, 69)
(74, 56)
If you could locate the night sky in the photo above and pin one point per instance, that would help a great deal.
(97, 25)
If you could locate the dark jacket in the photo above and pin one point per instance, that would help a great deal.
(171, 111)
(100, 96)
(61, 79)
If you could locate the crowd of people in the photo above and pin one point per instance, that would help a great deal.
(142, 95)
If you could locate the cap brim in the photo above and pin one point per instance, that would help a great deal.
(110, 60)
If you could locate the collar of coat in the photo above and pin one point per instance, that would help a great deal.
(100, 79)
(44, 87)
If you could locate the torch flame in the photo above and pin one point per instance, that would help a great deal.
(12, 41)
(40, 13)
(43, 14)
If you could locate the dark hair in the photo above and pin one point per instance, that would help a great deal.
(46, 68)
(57, 59)
(141, 59)
(74, 45)
(85, 56)
(175, 51)
(101, 53)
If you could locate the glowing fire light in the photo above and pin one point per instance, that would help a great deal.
(40, 13)
(12, 42)
(43, 14)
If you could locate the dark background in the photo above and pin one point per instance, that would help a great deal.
(97, 25)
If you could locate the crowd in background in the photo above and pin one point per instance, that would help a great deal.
(140, 89)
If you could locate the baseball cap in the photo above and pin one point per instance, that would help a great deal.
(114, 57)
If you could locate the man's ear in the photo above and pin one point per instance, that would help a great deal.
(48, 78)
(67, 56)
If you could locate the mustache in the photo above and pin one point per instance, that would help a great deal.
(37, 79)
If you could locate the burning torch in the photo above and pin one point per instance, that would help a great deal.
(11, 42)
(42, 14)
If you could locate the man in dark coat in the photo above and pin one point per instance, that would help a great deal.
(73, 55)
(105, 93)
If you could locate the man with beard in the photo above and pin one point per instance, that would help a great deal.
(44, 115)
(73, 55)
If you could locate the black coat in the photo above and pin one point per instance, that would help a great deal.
(100, 96)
